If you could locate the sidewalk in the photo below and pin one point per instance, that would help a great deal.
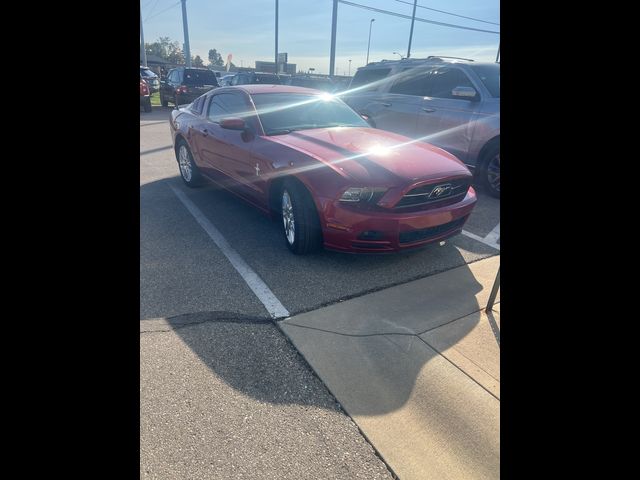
(417, 367)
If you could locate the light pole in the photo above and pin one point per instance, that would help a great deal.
(187, 50)
(143, 50)
(413, 20)
(349, 68)
(276, 62)
(396, 53)
(369, 44)
(334, 28)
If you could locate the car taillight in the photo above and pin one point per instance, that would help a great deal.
(144, 88)
(182, 89)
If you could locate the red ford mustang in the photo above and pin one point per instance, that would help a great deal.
(309, 160)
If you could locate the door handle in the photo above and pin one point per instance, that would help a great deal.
(429, 110)
(386, 104)
(205, 132)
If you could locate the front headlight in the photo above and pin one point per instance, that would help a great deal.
(362, 194)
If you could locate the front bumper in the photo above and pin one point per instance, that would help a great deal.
(346, 229)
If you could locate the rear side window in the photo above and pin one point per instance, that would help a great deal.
(445, 79)
(226, 105)
(196, 106)
(367, 76)
(411, 81)
(200, 77)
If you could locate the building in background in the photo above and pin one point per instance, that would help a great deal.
(270, 67)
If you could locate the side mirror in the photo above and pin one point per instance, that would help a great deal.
(367, 119)
(467, 93)
(233, 124)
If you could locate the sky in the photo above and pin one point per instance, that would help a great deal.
(246, 30)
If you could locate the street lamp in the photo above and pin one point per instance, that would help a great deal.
(369, 44)
(349, 67)
(396, 53)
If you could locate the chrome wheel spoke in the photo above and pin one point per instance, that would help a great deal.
(287, 218)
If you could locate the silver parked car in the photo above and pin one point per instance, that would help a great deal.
(449, 102)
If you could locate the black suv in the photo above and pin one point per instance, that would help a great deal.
(184, 85)
(253, 78)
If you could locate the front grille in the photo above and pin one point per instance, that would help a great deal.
(428, 194)
(426, 233)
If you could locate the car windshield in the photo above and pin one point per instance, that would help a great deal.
(286, 112)
(200, 77)
(145, 72)
(267, 79)
(490, 76)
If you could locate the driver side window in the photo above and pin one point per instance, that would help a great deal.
(226, 105)
(444, 80)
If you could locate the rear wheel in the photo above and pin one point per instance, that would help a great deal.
(301, 226)
(147, 105)
(163, 102)
(491, 171)
(188, 169)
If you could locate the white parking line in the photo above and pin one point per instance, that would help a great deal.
(491, 239)
(255, 283)
(494, 235)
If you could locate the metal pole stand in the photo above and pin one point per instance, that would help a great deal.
(494, 292)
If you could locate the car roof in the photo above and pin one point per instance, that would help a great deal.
(256, 89)
(419, 62)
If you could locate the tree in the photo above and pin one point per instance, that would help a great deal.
(215, 59)
(165, 49)
(197, 61)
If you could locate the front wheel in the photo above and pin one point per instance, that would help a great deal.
(301, 226)
(490, 171)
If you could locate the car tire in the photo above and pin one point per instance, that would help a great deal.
(163, 102)
(147, 105)
(300, 222)
(490, 171)
(175, 100)
(189, 172)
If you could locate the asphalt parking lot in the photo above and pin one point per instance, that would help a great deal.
(184, 273)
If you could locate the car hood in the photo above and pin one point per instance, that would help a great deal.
(374, 157)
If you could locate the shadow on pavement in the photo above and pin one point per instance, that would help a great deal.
(301, 283)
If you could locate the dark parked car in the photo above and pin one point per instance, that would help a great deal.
(183, 85)
(255, 78)
(315, 165)
(225, 80)
(151, 78)
(308, 81)
(145, 96)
